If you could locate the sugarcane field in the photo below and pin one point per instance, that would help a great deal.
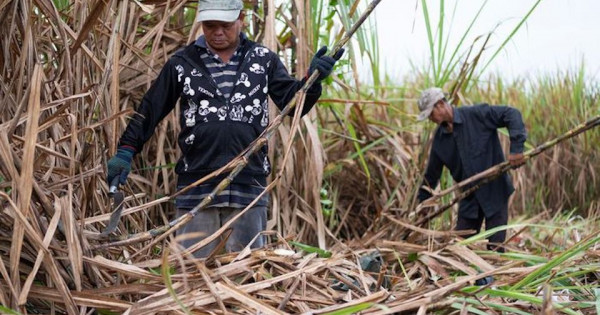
(265, 157)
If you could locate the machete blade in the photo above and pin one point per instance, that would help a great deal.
(115, 217)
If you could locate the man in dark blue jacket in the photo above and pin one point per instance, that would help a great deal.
(466, 142)
(222, 82)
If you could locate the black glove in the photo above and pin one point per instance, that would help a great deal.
(324, 63)
(119, 165)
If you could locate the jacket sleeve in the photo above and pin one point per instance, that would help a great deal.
(431, 177)
(158, 101)
(509, 117)
(282, 87)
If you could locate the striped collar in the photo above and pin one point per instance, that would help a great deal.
(201, 41)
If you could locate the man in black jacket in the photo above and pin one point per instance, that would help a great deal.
(466, 142)
(222, 82)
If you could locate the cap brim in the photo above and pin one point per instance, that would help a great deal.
(424, 114)
(218, 15)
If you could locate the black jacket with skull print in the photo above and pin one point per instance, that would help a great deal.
(214, 129)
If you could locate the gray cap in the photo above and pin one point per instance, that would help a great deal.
(219, 10)
(427, 101)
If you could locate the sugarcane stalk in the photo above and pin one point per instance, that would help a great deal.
(160, 233)
(495, 171)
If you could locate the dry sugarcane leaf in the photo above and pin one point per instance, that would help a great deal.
(452, 262)
(72, 237)
(90, 21)
(434, 265)
(49, 263)
(40, 256)
(26, 177)
(468, 255)
(247, 300)
(81, 298)
(126, 269)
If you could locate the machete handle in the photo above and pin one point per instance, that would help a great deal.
(114, 185)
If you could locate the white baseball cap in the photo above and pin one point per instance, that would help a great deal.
(427, 101)
(219, 10)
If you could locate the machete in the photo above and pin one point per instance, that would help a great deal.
(117, 206)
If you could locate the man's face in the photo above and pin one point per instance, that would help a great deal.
(222, 35)
(437, 114)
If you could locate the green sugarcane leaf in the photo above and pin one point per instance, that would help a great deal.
(351, 310)
(6, 310)
(311, 249)
(568, 254)
(500, 307)
(469, 308)
(517, 295)
(166, 274)
(597, 293)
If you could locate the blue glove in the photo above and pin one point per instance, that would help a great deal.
(324, 63)
(119, 165)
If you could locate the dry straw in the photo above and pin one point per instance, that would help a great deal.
(71, 72)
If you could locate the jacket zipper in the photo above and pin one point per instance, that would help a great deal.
(240, 69)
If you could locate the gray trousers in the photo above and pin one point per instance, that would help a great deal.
(209, 220)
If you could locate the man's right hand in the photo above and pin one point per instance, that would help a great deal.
(516, 159)
(324, 63)
(119, 165)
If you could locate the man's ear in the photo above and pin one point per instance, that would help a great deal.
(242, 19)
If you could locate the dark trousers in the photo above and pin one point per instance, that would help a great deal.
(209, 220)
(497, 219)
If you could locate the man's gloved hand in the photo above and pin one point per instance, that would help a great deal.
(119, 165)
(324, 63)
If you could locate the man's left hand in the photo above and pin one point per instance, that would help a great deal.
(324, 63)
(516, 159)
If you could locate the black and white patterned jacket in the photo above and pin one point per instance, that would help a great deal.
(214, 129)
